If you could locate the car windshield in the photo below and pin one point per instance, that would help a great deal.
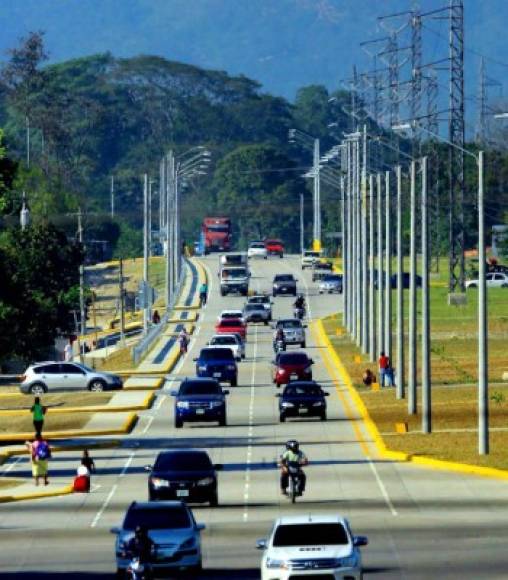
(273, 242)
(253, 307)
(85, 368)
(284, 278)
(306, 389)
(157, 518)
(312, 254)
(215, 354)
(218, 229)
(290, 324)
(234, 258)
(259, 300)
(237, 273)
(259, 245)
(188, 461)
(332, 278)
(200, 388)
(223, 340)
(326, 534)
(231, 322)
(293, 358)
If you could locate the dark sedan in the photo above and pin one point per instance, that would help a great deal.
(187, 475)
(302, 399)
(200, 400)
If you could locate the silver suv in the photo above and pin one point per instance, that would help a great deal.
(256, 313)
(294, 331)
(50, 377)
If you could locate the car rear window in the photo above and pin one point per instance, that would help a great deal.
(253, 307)
(306, 389)
(230, 315)
(283, 278)
(327, 534)
(216, 354)
(231, 322)
(223, 340)
(293, 358)
(335, 278)
(258, 245)
(200, 388)
(259, 300)
(157, 518)
(290, 324)
(189, 461)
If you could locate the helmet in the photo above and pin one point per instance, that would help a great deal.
(140, 531)
(293, 445)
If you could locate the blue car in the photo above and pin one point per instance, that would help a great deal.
(200, 399)
(302, 399)
(219, 364)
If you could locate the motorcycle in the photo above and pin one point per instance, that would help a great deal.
(294, 488)
(279, 345)
(138, 571)
(299, 312)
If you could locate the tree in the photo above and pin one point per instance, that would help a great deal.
(39, 275)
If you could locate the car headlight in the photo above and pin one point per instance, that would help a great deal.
(206, 481)
(183, 404)
(215, 404)
(231, 367)
(202, 368)
(188, 544)
(318, 404)
(157, 482)
(287, 404)
(281, 564)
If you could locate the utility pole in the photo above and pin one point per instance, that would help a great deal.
(146, 302)
(400, 388)
(168, 162)
(349, 242)
(483, 358)
(372, 295)
(122, 310)
(426, 370)
(388, 267)
(354, 248)
(379, 277)
(359, 243)
(302, 222)
(317, 199)
(150, 183)
(112, 195)
(81, 281)
(365, 287)
(412, 398)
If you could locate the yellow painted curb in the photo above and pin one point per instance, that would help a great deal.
(37, 494)
(420, 460)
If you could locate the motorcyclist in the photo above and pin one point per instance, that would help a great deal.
(299, 303)
(292, 455)
(203, 293)
(141, 546)
(278, 336)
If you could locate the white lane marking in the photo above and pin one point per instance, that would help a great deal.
(11, 465)
(162, 398)
(248, 459)
(381, 486)
(148, 424)
(112, 492)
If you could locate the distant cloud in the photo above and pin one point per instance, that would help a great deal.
(325, 9)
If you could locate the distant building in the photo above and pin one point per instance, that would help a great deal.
(499, 235)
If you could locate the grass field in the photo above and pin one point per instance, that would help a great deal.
(454, 406)
(57, 422)
(82, 399)
(9, 483)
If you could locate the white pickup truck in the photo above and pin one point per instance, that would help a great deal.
(310, 257)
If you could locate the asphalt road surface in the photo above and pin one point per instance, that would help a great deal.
(420, 523)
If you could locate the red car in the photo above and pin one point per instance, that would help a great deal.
(292, 366)
(274, 248)
(231, 326)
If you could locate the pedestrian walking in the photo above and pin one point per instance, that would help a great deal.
(68, 352)
(40, 452)
(385, 370)
(183, 339)
(38, 411)
(87, 461)
(203, 294)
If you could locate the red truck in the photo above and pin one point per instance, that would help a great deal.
(217, 234)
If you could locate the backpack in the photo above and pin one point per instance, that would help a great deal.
(42, 451)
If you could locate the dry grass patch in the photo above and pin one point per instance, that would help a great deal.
(119, 359)
(9, 483)
(57, 422)
(82, 399)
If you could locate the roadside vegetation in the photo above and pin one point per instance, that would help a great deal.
(57, 422)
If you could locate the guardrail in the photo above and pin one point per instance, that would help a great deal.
(155, 331)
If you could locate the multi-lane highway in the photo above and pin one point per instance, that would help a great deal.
(420, 523)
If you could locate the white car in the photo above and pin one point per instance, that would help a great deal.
(311, 546)
(494, 280)
(310, 257)
(232, 341)
(257, 250)
(225, 314)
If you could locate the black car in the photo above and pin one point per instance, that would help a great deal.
(186, 474)
(406, 280)
(200, 400)
(302, 399)
(284, 284)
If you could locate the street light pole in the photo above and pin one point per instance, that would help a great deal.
(365, 287)
(400, 388)
(359, 297)
(388, 267)
(317, 200)
(426, 369)
(146, 303)
(302, 221)
(372, 296)
(379, 277)
(112, 196)
(412, 399)
(349, 242)
(483, 385)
